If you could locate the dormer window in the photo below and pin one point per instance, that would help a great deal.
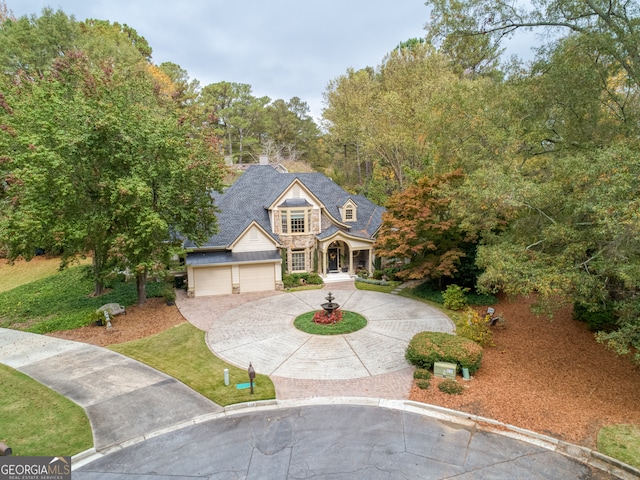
(349, 212)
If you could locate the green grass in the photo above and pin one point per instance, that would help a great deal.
(36, 421)
(182, 353)
(304, 287)
(621, 442)
(429, 292)
(351, 322)
(21, 272)
(61, 301)
(371, 287)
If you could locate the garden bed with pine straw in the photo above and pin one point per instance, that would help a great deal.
(549, 376)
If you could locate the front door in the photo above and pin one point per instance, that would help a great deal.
(333, 259)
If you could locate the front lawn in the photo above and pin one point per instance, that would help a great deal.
(372, 287)
(182, 353)
(62, 301)
(36, 421)
(621, 442)
(22, 272)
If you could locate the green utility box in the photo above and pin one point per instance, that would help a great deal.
(445, 370)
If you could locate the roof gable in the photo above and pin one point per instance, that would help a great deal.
(254, 238)
(296, 194)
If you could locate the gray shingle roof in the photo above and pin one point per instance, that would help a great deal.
(226, 257)
(248, 198)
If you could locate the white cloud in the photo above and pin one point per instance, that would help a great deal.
(282, 48)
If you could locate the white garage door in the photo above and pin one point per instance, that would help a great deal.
(257, 278)
(212, 281)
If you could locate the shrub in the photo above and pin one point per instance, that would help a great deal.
(168, 293)
(95, 318)
(372, 281)
(292, 280)
(453, 297)
(598, 320)
(425, 290)
(378, 274)
(426, 348)
(481, 300)
(422, 374)
(476, 328)
(391, 272)
(450, 387)
(362, 273)
(423, 384)
(431, 292)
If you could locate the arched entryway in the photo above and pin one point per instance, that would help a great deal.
(342, 254)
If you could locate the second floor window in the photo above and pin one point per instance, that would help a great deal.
(295, 221)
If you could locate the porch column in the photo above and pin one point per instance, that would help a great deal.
(351, 271)
(370, 261)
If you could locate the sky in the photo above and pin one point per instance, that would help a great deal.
(282, 48)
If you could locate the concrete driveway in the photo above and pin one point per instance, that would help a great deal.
(262, 332)
(124, 399)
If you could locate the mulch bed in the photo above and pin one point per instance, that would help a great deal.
(153, 317)
(549, 376)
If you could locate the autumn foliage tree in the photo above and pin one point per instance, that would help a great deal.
(98, 159)
(419, 232)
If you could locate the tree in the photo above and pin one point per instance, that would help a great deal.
(99, 162)
(610, 27)
(389, 112)
(29, 45)
(184, 90)
(419, 232)
(572, 231)
(237, 114)
(348, 99)
(5, 13)
(289, 129)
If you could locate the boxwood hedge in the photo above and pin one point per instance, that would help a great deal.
(426, 348)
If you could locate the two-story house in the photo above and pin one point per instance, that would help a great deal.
(268, 219)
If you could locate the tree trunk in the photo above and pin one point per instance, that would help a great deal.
(141, 284)
(97, 264)
(359, 165)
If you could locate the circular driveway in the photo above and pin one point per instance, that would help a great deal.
(262, 332)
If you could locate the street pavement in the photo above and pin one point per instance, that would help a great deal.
(333, 442)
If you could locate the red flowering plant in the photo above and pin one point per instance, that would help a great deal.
(324, 318)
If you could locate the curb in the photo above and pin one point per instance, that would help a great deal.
(581, 454)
